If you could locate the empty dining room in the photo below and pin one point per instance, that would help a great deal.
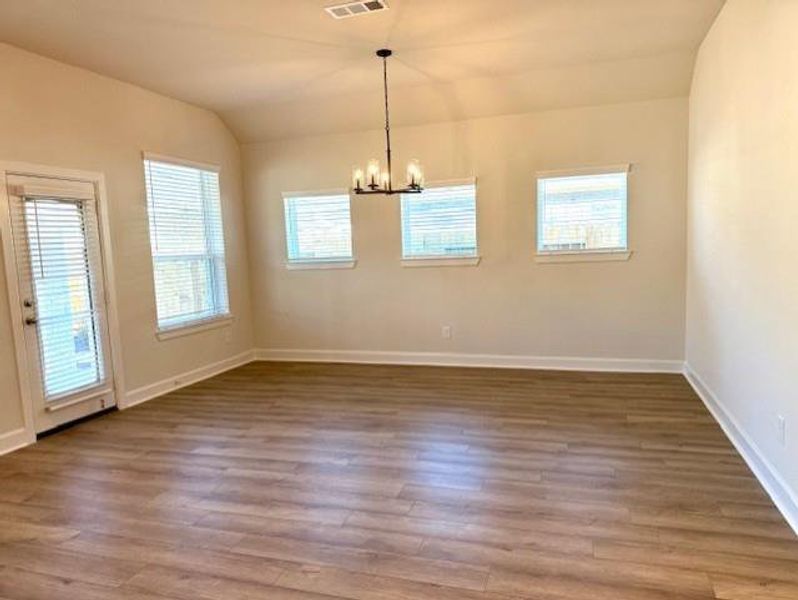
(398, 300)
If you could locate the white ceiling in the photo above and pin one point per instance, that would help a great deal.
(279, 68)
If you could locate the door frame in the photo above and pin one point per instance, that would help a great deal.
(15, 300)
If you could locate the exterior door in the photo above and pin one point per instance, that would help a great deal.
(60, 274)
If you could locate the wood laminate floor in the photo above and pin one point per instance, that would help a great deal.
(321, 482)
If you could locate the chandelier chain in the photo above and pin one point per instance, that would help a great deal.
(387, 119)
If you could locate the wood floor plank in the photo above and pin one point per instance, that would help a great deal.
(189, 585)
(53, 560)
(21, 531)
(710, 562)
(348, 535)
(740, 588)
(19, 584)
(187, 558)
(440, 572)
(298, 481)
(535, 585)
(501, 537)
(364, 586)
(548, 565)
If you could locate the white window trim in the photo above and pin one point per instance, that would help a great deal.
(577, 171)
(325, 192)
(168, 333)
(447, 260)
(442, 261)
(185, 162)
(320, 263)
(583, 256)
(574, 256)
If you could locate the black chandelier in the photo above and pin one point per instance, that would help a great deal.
(375, 181)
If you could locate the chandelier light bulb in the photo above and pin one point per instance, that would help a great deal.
(385, 181)
(357, 178)
(413, 173)
(373, 171)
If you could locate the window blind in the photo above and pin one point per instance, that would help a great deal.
(440, 222)
(318, 228)
(59, 255)
(187, 242)
(582, 213)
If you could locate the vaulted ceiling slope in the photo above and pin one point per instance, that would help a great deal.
(283, 68)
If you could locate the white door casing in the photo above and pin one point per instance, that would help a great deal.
(60, 285)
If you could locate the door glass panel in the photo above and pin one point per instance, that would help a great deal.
(68, 321)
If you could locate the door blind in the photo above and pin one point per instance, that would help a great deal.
(582, 213)
(318, 228)
(57, 242)
(187, 242)
(440, 222)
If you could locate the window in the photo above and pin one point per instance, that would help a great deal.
(583, 211)
(318, 228)
(440, 222)
(187, 242)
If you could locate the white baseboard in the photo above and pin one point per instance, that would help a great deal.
(16, 439)
(504, 361)
(159, 388)
(785, 499)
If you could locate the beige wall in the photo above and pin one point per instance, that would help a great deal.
(62, 116)
(509, 304)
(742, 301)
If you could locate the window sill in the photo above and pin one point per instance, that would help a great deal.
(320, 264)
(584, 256)
(442, 261)
(192, 328)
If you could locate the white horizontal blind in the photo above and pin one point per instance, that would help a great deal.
(440, 222)
(59, 256)
(318, 228)
(187, 241)
(582, 213)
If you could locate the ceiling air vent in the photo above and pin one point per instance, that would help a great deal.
(356, 9)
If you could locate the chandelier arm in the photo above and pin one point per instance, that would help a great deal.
(383, 192)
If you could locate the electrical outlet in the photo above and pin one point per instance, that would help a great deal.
(446, 332)
(781, 425)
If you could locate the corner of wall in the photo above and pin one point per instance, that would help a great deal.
(783, 496)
